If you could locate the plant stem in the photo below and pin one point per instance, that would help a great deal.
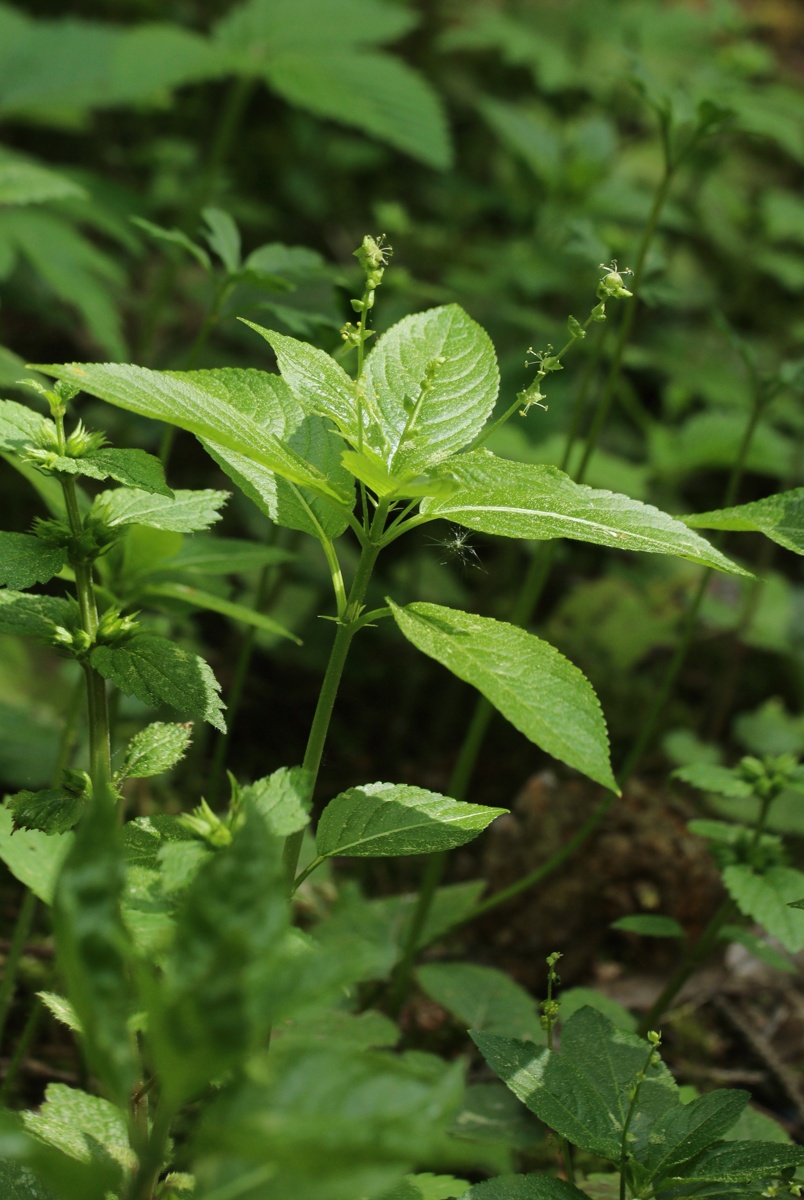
(347, 627)
(23, 1046)
(146, 1177)
(19, 938)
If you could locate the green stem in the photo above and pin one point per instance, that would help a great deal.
(23, 1046)
(628, 1118)
(347, 627)
(19, 938)
(144, 1182)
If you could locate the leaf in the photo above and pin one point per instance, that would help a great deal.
(34, 616)
(577, 997)
(444, 364)
(492, 1114)
(177, 238)
(19, 426)
(766, 898)
(209, 555)
(25, 560)
(157, 671)
(32, 857)
(94, 949)
(87, 1128)
(736, 1162)
(650, 925)
(759, 948)
(710, 777)
(524, 1187)
(685, 1131)
(524, 500)
(61, 1009)
(282, 799)
(779, 517)
(539, 691)
(186, 512)
(214, 1000)
(483, 998)
(427, 1186)
(213, 603)
(26, 182)
(132, 468)
(269, 403)
(31, 1170)
(54, 810)
(380, 819)
(177, 399)
(223, 237)
(154, 750)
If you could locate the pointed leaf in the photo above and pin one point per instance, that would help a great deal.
(23, 182)
(61, 1009)
(710, 777)
(214, 603)
(685, 1131)
(738, 1162)
(54, 810)
(441, 362)
(282, 799)
(177, 238)
(496, 495)
(767, 898)
(175, 398)
(31, 1170)
(779, 517)
(87, 1128)
(483, 998)
(154, 750)
(132, 468)
(157, 671)
(33, 857)
(380, 819)
(186, 512)
(19, 426)
(25, 560)
(650, 925)
(34, 616)
(538, 690)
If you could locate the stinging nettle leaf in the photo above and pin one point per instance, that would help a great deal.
(19, 426)
(524, 500)
(155, 749)
(132, 468)
(539, 691)
(54, 810)
(157, 671)
(34, 616)
(779, 517)
(767, 898)
(282, 799)
(380, 819)
(87, 1128)
(25, 560)
(187, 511)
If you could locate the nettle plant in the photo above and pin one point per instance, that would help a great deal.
(229, 1051)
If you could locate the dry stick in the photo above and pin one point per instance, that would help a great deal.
(528, 597)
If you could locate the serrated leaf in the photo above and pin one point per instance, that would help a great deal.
(686, 1130)
(61, 1009)
(441, 362)
(524, 1187)
(177, 399)
(738, 1162)
(483, 998)
(25, 560)
(132, 468)
(214, 1000)
(54, 810)
(94, 949)
(650, 925)
(31, 1170)
(19, 426)
(155, 749)
(26, 182)
(524, 500)
(282, 799)
(157, 671)
(87, 1128)
(267, 401)
(539, 691)
(34, 616)
(710, 777)
(779, 517)
(394, 818)
(186, 512)
(33, 857)
(766, 898)
(199, 598)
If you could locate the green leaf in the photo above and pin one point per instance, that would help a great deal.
(54, 810)
(157, 671)
(766, 898)
(223, 237)
(208, 555)
(25, 560)
(539, 691)
(380, 819)
(483, 998)
(759, 948)
(215, 998)
(132, 468)
(577, 997)
(650, 925)
(61, 1009)
(186, 512)
(779, 517)
(427, 1187)
(214, 603)
(19, 426)
(34, 616)
(26, 182)
(443, 364)
(795, 904)
(177, 238)
(33, 857)
(94, 949)
(710, 777)
(738, 1162)
(154, 750)
(685, 1131)
(524, 500)
(524, 1187)
(31, 1170)
(179, 400)
(269, 403)
(87, 1128)
(282, 799)
(492, 1114)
